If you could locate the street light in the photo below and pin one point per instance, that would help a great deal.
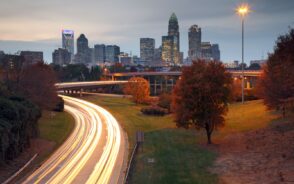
(242, 11)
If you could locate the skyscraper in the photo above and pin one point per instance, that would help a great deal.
(171, 43)
(82, 44)
(99, 53)
(61, 56)
(210, 51)
(147, 46)
(215, 52)
(206, 52)
(111, 53)
(194, 42)
(68, 41)
(83, 51)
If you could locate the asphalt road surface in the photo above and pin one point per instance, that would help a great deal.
(94, 152)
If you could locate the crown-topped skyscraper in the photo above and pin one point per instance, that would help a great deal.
(171, 43)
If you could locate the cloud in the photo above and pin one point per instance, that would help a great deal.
(124, 22)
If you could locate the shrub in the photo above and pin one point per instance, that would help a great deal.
(165, 101)
(60, 105)
(154, 110)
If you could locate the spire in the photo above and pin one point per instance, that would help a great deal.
(173, 18)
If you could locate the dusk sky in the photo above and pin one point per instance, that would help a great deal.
(37, 24)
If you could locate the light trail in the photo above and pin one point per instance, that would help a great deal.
(92, 153)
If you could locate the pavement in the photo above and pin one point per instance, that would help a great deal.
(95, 152)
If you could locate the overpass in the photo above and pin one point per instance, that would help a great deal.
(164, 81)
(235, 73)
(96, 86)
(159, 81)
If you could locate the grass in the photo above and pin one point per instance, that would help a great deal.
(55, 126)
(178, 157)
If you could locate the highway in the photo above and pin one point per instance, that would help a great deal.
(94, 152)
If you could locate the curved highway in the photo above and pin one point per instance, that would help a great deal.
(94, 152)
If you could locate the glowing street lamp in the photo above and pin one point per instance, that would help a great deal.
(242, 11)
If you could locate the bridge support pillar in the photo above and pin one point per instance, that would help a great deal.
(155, 86)
(81, 92)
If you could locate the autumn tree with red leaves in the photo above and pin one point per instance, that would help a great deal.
(200, 98)
(37, 83)
(276, 84)
(139, 88)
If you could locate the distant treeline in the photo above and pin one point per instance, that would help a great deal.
(18, 124)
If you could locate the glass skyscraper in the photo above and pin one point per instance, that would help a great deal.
(194, 42)
(171, 43)
(147, 47)
(68, 41)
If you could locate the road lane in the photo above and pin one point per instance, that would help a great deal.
(93, 153)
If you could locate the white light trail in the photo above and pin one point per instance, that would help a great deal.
(74, 159)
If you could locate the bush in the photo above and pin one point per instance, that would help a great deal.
(154, 110)
(165, 101)
(60, 105)
(18, 123)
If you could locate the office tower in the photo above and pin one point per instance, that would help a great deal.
(181, 57)
(32, 57)
(206, 52)
(194, 42)
(171, 43)
(61, 57)
(147, 46)
(157, 54)
(215, 52)
(111, 53)
(125, 59)
(99, 50)
(68, 42)
(210, 51)
(83, 51)
(82, 44)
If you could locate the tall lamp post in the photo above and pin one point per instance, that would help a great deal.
(242, 11)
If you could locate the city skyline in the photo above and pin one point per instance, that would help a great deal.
(217, 19)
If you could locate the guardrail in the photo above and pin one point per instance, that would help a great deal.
(127, 176)
(20, 170)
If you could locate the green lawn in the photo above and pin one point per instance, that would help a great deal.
(178, 157)
(55, 126)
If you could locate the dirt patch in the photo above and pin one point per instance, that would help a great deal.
(264, 156)
(40, 146)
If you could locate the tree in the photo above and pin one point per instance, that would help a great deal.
(276, 84)
(38, 84)
(200, 97)
(254, 66)
(117, 68)
(139, 89)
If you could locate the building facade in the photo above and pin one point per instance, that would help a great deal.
(194, 35)
(147, 47)
(111, 53)
(83, 51)
(99, 50)
(125, 59)
(171, 43)
(210, 51)
(32, 57)
(68, 42)
(215, 52)
(61, 56)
